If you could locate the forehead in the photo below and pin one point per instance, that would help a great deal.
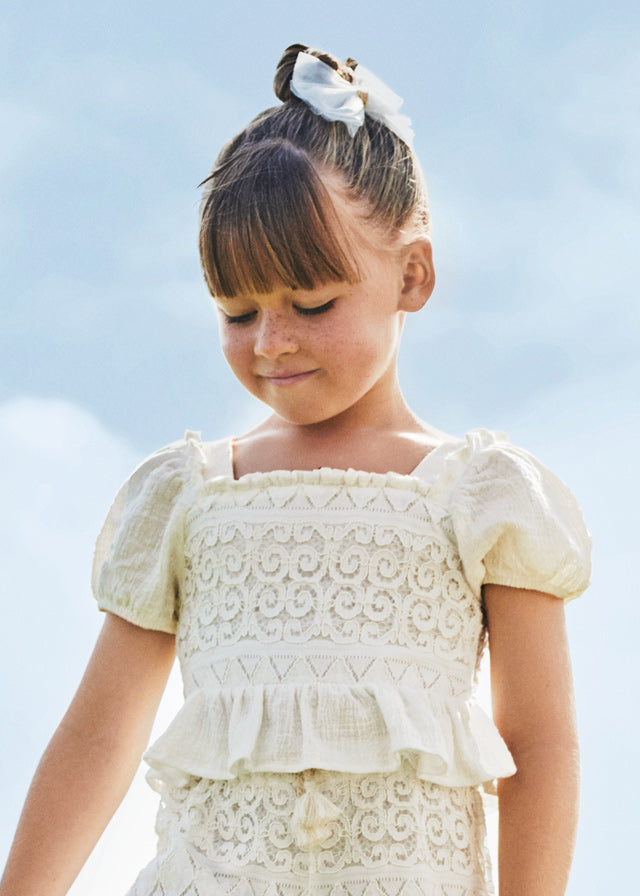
(355, 216)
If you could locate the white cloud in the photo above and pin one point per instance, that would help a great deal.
(59, 470)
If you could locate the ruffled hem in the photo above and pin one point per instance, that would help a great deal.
(343, 728)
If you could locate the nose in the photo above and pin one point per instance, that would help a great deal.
(275, 335)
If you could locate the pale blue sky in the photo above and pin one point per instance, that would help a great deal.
(527, 121)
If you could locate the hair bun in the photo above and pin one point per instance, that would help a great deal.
(284, 71)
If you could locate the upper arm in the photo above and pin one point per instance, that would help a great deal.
(531, 679)
(124, 680)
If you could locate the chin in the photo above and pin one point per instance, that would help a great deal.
(304, 416)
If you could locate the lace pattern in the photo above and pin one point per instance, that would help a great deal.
(326, 621)
(386, 579)
(391, 834)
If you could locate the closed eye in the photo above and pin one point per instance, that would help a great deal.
(248, 316)
(317, 309)
(240, 318)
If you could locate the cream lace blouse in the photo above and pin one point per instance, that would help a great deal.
(333, 619)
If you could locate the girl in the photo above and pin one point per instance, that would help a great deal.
(328, 578)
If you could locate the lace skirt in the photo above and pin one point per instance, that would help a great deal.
(318, 833)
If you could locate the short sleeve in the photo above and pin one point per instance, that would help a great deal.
(516, 523)
(138, 561)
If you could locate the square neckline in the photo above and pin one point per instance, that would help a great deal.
(219, 456)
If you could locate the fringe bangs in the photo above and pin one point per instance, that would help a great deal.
(269, 221)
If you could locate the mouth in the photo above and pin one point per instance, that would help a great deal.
(288, 377)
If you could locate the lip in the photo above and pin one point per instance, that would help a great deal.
(288, 377)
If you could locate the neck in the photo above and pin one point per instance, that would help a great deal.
(391, 439)
(391, 415)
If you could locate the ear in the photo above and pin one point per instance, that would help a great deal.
(418, 275)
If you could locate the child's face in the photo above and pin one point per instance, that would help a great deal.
(315, 355)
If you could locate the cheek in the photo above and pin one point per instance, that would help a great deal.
(362, 341)
(235, 347)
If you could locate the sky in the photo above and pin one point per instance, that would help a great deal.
(527, 122)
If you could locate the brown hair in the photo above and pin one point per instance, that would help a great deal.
(267, 217)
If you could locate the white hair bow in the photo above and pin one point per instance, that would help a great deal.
(333, 98)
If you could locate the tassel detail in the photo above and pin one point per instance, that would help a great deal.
(312, 814)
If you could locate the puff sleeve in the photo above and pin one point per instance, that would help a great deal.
(516, 523)
(138, 560)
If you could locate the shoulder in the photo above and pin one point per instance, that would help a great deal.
(137, 567)
(485, 462)
(149, 497)
(175, 462)
(494, 461)
(499, 477)
(515, 522)
(476, 462)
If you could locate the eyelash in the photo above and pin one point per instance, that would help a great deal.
(319, 309)
(240, 319)
(305, 312)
